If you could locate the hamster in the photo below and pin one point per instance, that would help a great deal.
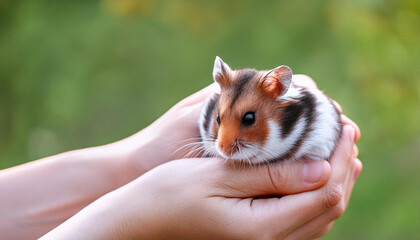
(262, 117)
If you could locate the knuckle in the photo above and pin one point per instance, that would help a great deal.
(333, 196)
(338, 210)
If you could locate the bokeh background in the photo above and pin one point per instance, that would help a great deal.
(75, 74)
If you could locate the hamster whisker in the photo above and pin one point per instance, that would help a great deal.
(240, 153)
(195, 139)
(209, 150)
(186, 145)
(249, 161)
(198, 151)
(193, 144)
(195, 149)
(213, 137)
(266, 153)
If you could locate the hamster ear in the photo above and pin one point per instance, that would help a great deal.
(277, 81)
(221, 72)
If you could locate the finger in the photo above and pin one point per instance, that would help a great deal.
(337, 106)
(304, 81)
(290, 212)
(347, 121)
(299, 208)
(323, 231)
(320, 225)
(358, 167)
(271, 179)
(349, 188)
(342, 157)
(314, 229)
(345, 179)
(201, 95)
(355, 151)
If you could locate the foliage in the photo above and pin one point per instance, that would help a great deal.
(75, 74)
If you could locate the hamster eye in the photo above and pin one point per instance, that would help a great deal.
(248, 119)
(218, 119)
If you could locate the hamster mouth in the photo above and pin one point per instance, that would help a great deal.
(243, 154)
(235, 156)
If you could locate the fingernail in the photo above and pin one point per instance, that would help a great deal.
(313, 171)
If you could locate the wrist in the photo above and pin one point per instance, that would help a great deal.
(142, 151)
(111, 163)
(124, 160)
(116, 161)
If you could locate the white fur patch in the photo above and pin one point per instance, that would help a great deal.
(293, 91)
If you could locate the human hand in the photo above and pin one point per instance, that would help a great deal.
(209, 198)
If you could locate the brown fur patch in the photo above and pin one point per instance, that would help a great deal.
(223, 79)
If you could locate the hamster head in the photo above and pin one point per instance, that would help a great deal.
(246, 110)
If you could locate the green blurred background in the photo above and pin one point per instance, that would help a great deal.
(75, 74)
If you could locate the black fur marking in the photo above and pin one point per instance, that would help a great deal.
(245, 75)
(292, 113)
(290, 116)
(306, 104)
(209, 111)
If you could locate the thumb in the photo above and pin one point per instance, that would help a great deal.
(281, 178)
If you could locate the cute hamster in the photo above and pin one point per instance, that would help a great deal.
(262, 117)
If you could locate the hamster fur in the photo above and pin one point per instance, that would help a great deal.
(261, 116)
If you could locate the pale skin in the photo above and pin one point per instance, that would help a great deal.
(131, 189)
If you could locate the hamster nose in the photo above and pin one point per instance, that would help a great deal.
(229, 148)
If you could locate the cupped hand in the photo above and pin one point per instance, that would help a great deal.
(209, 198)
